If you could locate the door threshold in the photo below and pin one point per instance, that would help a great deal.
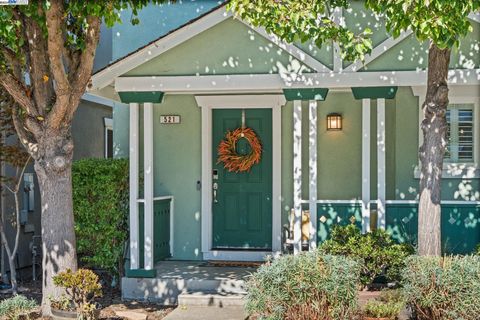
(237, 255)
(242, 249)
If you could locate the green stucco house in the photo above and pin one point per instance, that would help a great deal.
(339, 140)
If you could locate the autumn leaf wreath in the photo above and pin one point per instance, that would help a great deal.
(231, 159)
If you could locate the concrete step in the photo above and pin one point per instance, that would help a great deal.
(166, 290)
(207, 313)
(212, 299)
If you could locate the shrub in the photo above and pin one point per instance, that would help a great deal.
(81, 288)
(306, 286)
(377, 251)
(443, 288)
(388, 305)
(100, 204)
(13, 307)
(380, 309)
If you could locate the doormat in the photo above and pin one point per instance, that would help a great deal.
(238, 264)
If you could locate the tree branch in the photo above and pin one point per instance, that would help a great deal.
(85, 66)
(56, 43)
(18, 92)
(17, 206)
(80, 76)
(39, 69)
(23, 135)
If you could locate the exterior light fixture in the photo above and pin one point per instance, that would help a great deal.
(334, 122)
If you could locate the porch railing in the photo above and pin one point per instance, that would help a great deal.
(162, 229)
(460, 221)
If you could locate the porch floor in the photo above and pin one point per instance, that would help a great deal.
(200, 270)
(177, 277)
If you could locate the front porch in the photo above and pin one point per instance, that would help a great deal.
(177, 280)
(373, 173)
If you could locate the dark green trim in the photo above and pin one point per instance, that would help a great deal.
(305, 94)
(140, 273)
(374, 92)
(141, 96)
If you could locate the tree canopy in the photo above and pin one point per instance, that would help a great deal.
(443, 22)
(46, 57)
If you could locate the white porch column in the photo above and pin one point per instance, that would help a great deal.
(365, 165)
(277, 180)
(133, 159)
(297, 176)
(206, 186)
(381, 189)
(312, 204)
(148, 183)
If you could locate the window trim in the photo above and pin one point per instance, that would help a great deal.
(457, 95)
(108, 126)
(474, 134)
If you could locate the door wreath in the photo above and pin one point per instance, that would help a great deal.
(231, 159)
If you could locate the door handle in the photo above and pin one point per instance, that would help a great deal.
(215, 189)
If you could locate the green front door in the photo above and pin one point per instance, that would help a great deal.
(242, 202)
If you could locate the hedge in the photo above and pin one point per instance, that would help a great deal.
(100, 205)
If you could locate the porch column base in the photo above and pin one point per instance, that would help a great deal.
(140, 273)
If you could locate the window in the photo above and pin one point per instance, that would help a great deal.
(460, 134)
(108, 138)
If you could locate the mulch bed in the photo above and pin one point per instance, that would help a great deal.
(110, 301)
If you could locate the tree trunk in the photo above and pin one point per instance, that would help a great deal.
(13, 275)
(432, 151)
(53, 165)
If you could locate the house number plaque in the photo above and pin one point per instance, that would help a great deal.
(170, 119)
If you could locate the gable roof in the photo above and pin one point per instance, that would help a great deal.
(215, 15)
(105, 76)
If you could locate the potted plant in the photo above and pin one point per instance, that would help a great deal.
(381, 310)
(81, 288)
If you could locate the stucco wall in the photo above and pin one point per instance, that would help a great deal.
(155, 21)
(88, 130)
(229, 47)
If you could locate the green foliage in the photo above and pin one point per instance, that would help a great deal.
(388, 305)
(306, 286)
(15, 306)
(443, 22)
(380, 309)
(100, 206)
(376, 250)
(304, 20)
(445, 288)
(62, 303)
(392, 295)
(82, 287)
(76, 14)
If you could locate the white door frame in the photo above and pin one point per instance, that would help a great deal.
(207, 103)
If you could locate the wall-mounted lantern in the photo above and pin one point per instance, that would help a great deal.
(334, 122)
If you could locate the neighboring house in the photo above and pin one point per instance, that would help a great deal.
(92, 133)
